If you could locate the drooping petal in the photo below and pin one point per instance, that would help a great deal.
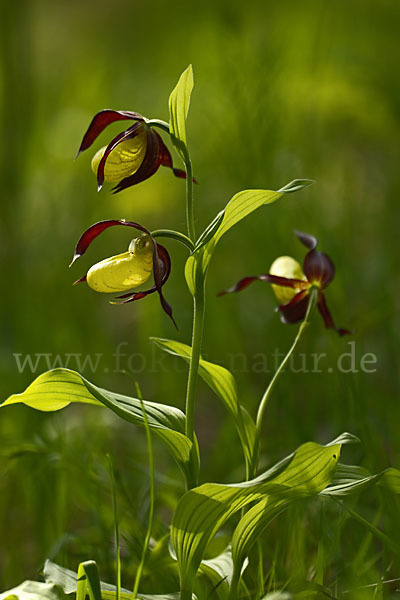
(100, 122)
(95, 230)
(166, 159)
(295, 310)
(123, 155)
(319, 268)
(307, 239)
(281, 281)
(327, 317)
(149, 166)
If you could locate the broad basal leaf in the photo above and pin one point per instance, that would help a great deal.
(68, 581)
(202, 511)
(239, 207)
(34, 590)
(223, 384)
(179, 101)
(57, 388)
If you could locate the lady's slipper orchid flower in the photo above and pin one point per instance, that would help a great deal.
(132, 156)
(292, 284)
(128, 270)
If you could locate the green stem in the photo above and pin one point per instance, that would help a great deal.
(264, 401)
(197, 338)
(189, 200)
(174, 235)
(158, 123)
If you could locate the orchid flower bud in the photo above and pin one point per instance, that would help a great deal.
(124, 160)
(288, 267)
(124, 271)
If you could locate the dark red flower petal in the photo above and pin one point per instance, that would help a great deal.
(100, 122)
(149, 166)
(283, 281)
(121, 137)
(295, 310)
(327, 317)
(95, 230)
(307, 239)
(166, 160)
(318, 268)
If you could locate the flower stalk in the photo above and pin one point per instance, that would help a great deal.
(303, 326)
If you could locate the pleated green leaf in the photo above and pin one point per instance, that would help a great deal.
(34, 590)
(202, 511)
(239, 207)
(68, 581)
(350, 479)
(223, 384)
(179, 101)
(58, 388)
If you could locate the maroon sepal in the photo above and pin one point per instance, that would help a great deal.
(121, 137)
(95, 230)
(327, 317)
(318, 268)
(275, 279)
(307, 239)
(100, 122)
(81, 280)
(295, 310)
(166, 160)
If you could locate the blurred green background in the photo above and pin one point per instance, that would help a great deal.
(283, 90)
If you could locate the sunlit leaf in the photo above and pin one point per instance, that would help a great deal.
(223, 384)
(350, 479)
(88, 581)
(209, 231)
(202, 511)
(68, 581)
(179, 101)
(239, 207)
(34, 590)
(57, 388)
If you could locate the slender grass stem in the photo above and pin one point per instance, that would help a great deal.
(197, 337)
(264, 401)
(152, 500)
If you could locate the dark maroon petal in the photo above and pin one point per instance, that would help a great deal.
(295, 310)
(307, 239)
(95, 230)
(100, 122)
(81, 280)
(149, 166)
(318, 268)
(327, 317)
(166, 160)
(161, 274)
(283, 281)
(121, 137)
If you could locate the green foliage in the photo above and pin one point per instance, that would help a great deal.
(237, 209)
(223, 384)
(58, 388)
(179, 101)
(203, 511)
